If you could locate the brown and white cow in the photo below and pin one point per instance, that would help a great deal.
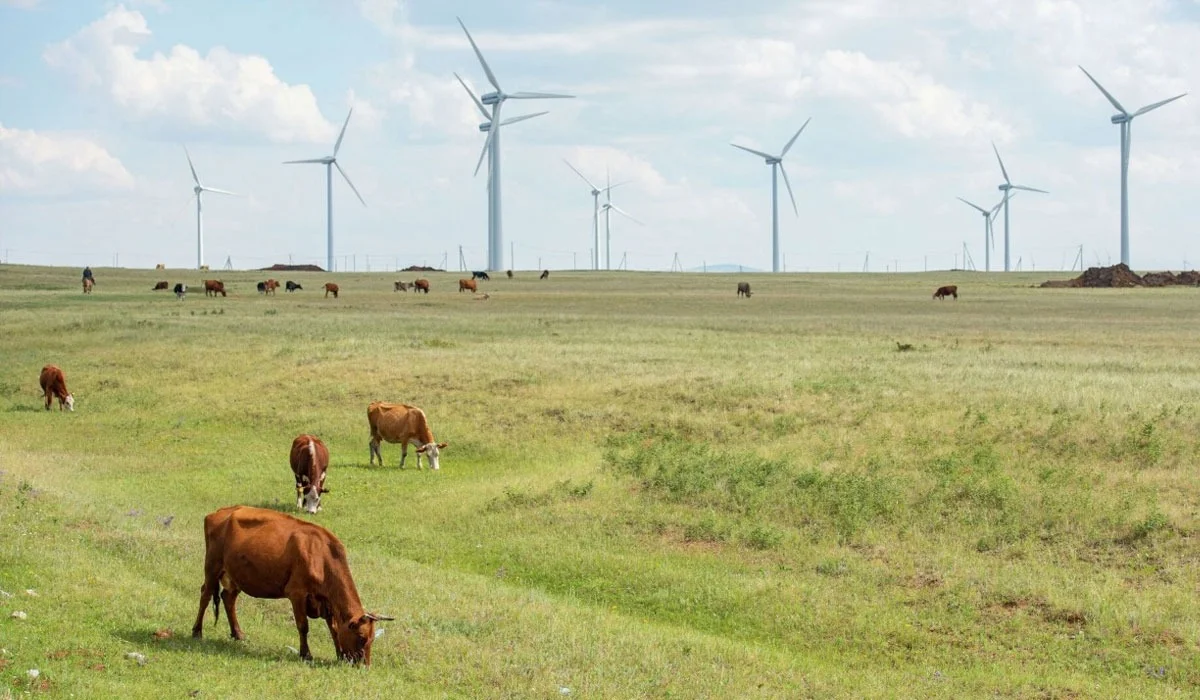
(467, 286)
(744, 289)
(161, 285)
(421, 285)
(331, 288)
(88, 283)
(948, 290)
(54, 385)
(213, 288)
(310, 459)
(398, 422)
(271, 286)
(268, 554)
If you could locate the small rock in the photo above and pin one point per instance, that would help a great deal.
(33, 674)
(19, 615)
(166, 522)
(564, 691)
(134, 656)
(30, 592)
(134, 513)
(5, 594)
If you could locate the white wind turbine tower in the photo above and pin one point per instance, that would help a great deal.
(198, 190)
(330, 162)
(596, 192)
(492, 148)
(776, 163)
(1125, 119)
(608, 207)
(1006, 188)
(989, 238)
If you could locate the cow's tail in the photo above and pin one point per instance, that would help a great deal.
(216, 601)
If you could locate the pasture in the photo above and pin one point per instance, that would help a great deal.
(653, 488)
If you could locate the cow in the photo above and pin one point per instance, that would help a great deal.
(272, 285)
(948, 290)
(160, 266)
(274, 555)
(161, 285)
(399, 286)
(398, 422)
(180, 290)
(421, 285)
(331, 288)
(467, 285)
(262, 287)
(88, 283)
(310, 459)
(744, 289)
(292, 286)
(213, 288)
(509, 273)
(480, 275)
(54, 384)
(545, 275)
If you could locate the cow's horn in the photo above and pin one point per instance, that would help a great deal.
(378, 618)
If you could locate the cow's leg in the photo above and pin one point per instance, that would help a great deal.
(49, 399)
(403, 453)
(229, 597)
(374, 445)
(299, 610)
(337, 649)
(206, 594)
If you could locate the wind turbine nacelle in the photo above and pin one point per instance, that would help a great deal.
(485, 127)
(1120, 118)
(1004, 188)
(490, 98)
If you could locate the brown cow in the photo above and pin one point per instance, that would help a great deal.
(88, 283)
(161, 285)
(744, 289)
(948, 290)
(398, 422)
(545, 275)
(271, 286)
(331, 288)
(54, 384)
(467, 285)
(310, 459)
(273, 555)
(421, 285)
(213, 288)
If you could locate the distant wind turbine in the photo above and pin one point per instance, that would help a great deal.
(608, 207)
(776, 163)
(198, 190)
(1125, 119)
(1006, 188)
(596, 192)
(330, 162)
(989, 238)
(491, 148)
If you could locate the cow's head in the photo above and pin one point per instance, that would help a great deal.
(431, 450)
(356, 637)
(308, 495)
(70, 402)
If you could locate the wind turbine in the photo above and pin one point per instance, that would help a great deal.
(776, 163)
(1125, 119)
(596, 192)
(1006, 188)
(608, 207)
(198, 189)
(330, 162)
(492, 148)
(988, 236)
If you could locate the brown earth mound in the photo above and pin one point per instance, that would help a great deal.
(1120, 275)
(421, 268)
(292, 268)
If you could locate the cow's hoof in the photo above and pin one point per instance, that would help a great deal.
(197, 634)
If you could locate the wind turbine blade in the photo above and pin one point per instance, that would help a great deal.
(973, 206)
(486, 145)
(482, 109)
(1111, 99)
(572, 167)
(213, 189)
(1028, 189)
(609, 188)
(625, 214)
(789, 188)
(310, 160)
(1002, 170)
(789, 143)
(478, 54)
(347, 179)
(539, 96)
(342, 135)
(751, 150)
(521, 118)
(1156, 105)
(195, 177)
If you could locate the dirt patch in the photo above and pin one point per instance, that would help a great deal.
(1120, 276)
(1040, 607)
(278, 267)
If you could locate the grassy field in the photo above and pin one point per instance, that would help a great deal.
(653, 488)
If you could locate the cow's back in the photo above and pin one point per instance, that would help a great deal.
(393, 421)
(265, 551)
(52, 378)
(303, 459)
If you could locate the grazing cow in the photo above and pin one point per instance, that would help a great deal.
(467, 285)
(160, 266)
(272, 285)
(481, 275)
(213, 288)
(331, 288)
(545, 274)
(273, 555)
(54, 385)
(421, 285)
(399, 286)
(744, 289)
(509, 273)
(398, 422)
(948, 290)
(292, 286)
(310, 459)
(180, 290)
(262, 287)
(88, 283)
(161, 285)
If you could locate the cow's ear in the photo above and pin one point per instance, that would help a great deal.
(324, 490)
(443, 445)
(422, 448)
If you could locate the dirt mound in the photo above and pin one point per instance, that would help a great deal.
(1120, 275)
(421, 268)
(292, 268)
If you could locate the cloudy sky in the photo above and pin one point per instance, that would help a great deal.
(98, 98)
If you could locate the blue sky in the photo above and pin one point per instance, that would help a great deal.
(97, 99)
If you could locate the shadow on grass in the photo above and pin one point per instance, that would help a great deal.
(217, 642)
(24, 408)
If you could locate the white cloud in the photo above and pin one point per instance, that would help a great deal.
(24, 4)
(222, 91)
(43, 163)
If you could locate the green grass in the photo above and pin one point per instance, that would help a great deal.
(653, 488)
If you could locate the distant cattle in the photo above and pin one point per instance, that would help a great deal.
(421, 285)
(545, 274)
(88, 283)
(399, 286)
(273, 555)
(744, 289)
(292, 286)
(160, 266)
(54, 385)
(213, 288)
(467, 285)
(272, 285)
(947, 291)
(161, 285)
(180, 290)
(509, 273)
(331, 288)
(480, 275)
(397, 422)
(262, 287)
(310, 459)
